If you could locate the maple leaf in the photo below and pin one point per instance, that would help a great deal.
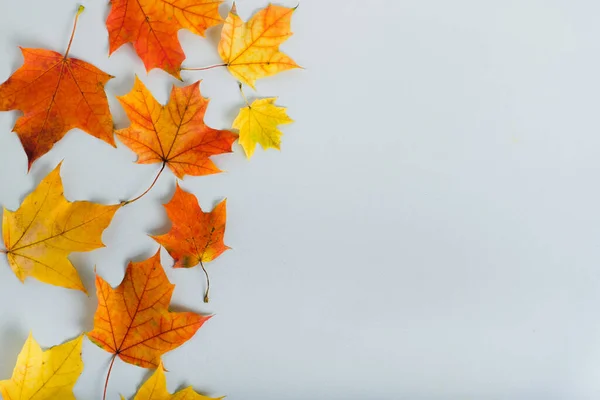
(152, 26)
(133, 320)
(155, 388)
(45, 375)
(196, 237)
(56, 94)
(251, 50)
(46, 228)
(258, 123)
(175, 134)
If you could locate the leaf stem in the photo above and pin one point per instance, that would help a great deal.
(112, 361)
(3, 251)
(207, 282)
(124, 203)
(203, 68)
(79, 11)
(243, 95)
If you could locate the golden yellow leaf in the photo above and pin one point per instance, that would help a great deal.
(258, 123)
(45, 375)
(41, 234)
(155, 388)
(251, 50)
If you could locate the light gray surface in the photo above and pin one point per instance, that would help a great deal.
(430, 230)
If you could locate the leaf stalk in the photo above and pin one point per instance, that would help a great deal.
(203, 68)
(124, 203)
(112, 361)
(243, 95)
(207, 282)
(79, 11)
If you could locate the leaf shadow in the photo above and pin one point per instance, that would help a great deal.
(182, 308)
(213, 36)
(88, 277)
(142, 256)
(12, 339)
(232, 111)
(166, 197)
(119, 86)
(17, 41)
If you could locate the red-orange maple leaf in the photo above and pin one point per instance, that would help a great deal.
(175, 134)
(56, 94)
(152, 26)
(133, 320)
(196, 237)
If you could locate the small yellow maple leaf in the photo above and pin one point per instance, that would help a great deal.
(251, 50)
(46, 228)
(258, 123)
(45, 375)
(155, 388)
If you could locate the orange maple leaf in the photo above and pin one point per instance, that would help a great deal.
(175, 134)
(133, 320)
(152, 26)
(196, 237)
(56, 94)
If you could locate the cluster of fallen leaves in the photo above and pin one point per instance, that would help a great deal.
(57, 93)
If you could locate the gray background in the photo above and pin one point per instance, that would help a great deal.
(430, 229)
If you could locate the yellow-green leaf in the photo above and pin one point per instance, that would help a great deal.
(258, 123)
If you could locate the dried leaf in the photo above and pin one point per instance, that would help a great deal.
(251, 50)
(152, 26)
(258, 123)
(174, 134)
(155, 388)
(56, 94)
(48, 375)
(195, 236)
(133, 320)
(41, 234)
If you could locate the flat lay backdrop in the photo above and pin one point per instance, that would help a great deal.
(430, 229)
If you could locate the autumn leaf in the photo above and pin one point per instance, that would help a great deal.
(152, 26)
(258, 123)
(133, 320)
(251, 50)
(45, 375)
(56, 94)
(196, 237)
(47, 227)
(175, 134)
(155, 388)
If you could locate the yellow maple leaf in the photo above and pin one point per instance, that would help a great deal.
(258, 123)
(45, 375)
(46, 228)
(251, 50)
(155, 388)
